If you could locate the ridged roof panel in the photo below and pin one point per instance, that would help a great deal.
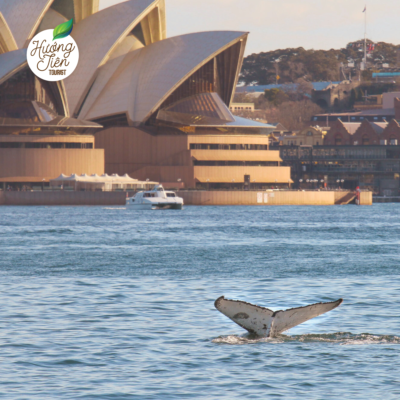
(23, 17)
(149, 75)
(97, 36)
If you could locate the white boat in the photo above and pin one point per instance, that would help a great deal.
(155, 199)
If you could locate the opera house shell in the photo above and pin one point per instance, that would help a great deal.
(138, 102)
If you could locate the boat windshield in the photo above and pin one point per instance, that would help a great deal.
(171, 195)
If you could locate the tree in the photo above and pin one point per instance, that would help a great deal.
(314, 65)
(353, 98)
(294, 115)
(275, 96)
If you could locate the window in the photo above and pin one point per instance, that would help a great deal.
(215, 146)
(338, 140)
(170, 194)
(365, 140)
(205, 163)
(309, 133)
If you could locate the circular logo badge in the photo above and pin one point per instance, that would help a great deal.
(52, 57)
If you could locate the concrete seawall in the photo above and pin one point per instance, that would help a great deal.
(281, 197)
(204, 198)
(63, 198)
(258, 198)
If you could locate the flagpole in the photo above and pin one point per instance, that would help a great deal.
(365, 38)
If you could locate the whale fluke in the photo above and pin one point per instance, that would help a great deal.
(265, 322)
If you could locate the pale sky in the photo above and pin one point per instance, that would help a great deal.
(277, 24)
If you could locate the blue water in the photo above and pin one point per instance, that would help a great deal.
(105, 303)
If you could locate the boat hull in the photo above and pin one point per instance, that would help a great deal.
(155, 206)
(156, 199)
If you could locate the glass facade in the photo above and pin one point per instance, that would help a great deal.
(235, 163)
(18, 93)
(216, 77)
(43, 145)
(225, 146)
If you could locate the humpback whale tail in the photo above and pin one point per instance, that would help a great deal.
(265, 322)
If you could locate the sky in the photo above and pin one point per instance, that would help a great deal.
(279, 24)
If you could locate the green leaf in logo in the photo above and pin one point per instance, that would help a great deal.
(63, 30)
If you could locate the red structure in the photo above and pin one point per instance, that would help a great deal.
(369, 133)
(392, 133)
(341, 133)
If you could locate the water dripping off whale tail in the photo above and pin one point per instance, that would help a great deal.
(265, 322)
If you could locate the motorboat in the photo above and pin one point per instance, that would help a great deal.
(155, 199)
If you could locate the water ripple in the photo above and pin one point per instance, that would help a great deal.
(104, 303)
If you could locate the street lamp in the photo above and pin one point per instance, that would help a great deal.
(208, 184)
(43, 180)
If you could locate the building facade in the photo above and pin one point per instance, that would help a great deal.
(311, 136)
(207, 159)
(155, 97)
(376, 168)
(235, 107)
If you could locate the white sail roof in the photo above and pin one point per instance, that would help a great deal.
(23, 17)
(97, 37)
(147, 76)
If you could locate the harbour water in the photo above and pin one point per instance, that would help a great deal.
(106, 303)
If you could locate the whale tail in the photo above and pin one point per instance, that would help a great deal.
(265, 322)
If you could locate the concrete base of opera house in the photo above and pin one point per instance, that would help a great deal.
(193, 197)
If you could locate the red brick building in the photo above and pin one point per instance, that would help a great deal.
(341, 133)
(392, 133)
(369, 133)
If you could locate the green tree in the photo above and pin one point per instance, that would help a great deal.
(275, 96)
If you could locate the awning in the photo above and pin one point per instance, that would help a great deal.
(101, 179)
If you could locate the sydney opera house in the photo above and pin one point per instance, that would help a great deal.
(140, 103)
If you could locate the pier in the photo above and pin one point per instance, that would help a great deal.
(191, 197)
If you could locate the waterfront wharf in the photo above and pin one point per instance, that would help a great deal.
(191, 197)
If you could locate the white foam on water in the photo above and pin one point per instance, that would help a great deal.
(340, 338)
(234, 340)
